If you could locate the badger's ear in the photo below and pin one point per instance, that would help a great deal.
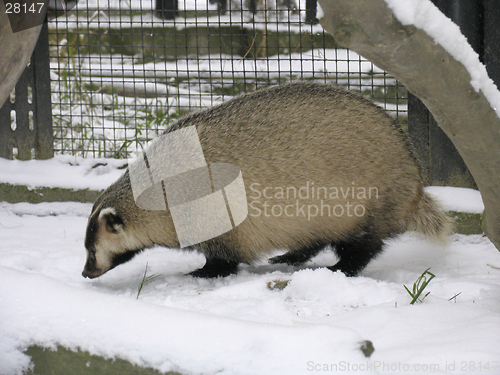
(111, 219)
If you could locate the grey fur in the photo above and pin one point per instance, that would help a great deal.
(288, 137)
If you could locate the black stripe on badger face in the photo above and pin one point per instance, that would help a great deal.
(91, 235)
(114, 223)
(123, 257)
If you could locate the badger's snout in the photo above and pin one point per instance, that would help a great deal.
(91, 270)
(87, 274)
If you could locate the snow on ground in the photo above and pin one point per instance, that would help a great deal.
(62, 171)
(238, 325)
(72, 172)
(457, 199)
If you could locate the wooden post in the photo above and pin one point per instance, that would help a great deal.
(442, 163)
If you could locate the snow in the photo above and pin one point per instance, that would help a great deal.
(238, 324)
(71, 172)
(457, 199)
(62, 171)
(163, 335)
(426, 16)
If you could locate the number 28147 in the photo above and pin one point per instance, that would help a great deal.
(16, 8)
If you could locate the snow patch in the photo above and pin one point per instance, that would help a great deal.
(237, 325)
(457, 199)
(62, 171)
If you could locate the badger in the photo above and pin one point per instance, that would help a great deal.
(322, 167)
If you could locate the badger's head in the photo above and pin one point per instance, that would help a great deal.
(108, 242)
(118, 229)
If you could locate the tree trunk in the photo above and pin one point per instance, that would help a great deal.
(433, 75)
(15, 52)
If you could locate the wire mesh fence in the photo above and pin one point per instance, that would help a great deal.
(121, 72)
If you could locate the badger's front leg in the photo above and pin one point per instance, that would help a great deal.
(215, 267)
(223, 256)
(299, 256)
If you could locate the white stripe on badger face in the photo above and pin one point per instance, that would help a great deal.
(109, 244)
(107, 210)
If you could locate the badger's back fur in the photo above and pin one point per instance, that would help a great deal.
(341, 148)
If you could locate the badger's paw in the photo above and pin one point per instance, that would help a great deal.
(290, 258)
(298, 256)
(216, 268)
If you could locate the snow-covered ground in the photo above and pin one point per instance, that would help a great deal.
(240, 324)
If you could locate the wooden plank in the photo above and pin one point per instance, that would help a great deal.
(42, 104)
(418, 131)
(447, 168)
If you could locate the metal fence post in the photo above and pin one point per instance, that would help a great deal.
(26, 118)
(311, 11)
(167, 9)
(479, 21)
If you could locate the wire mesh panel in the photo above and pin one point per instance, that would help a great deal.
(123, 70)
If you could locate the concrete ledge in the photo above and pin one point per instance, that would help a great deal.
(19, 193)
(465, 223)
(65, 362)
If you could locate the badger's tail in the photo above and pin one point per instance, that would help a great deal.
(431, 220)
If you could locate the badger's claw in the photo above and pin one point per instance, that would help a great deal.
(216, 268)
(290, 258)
